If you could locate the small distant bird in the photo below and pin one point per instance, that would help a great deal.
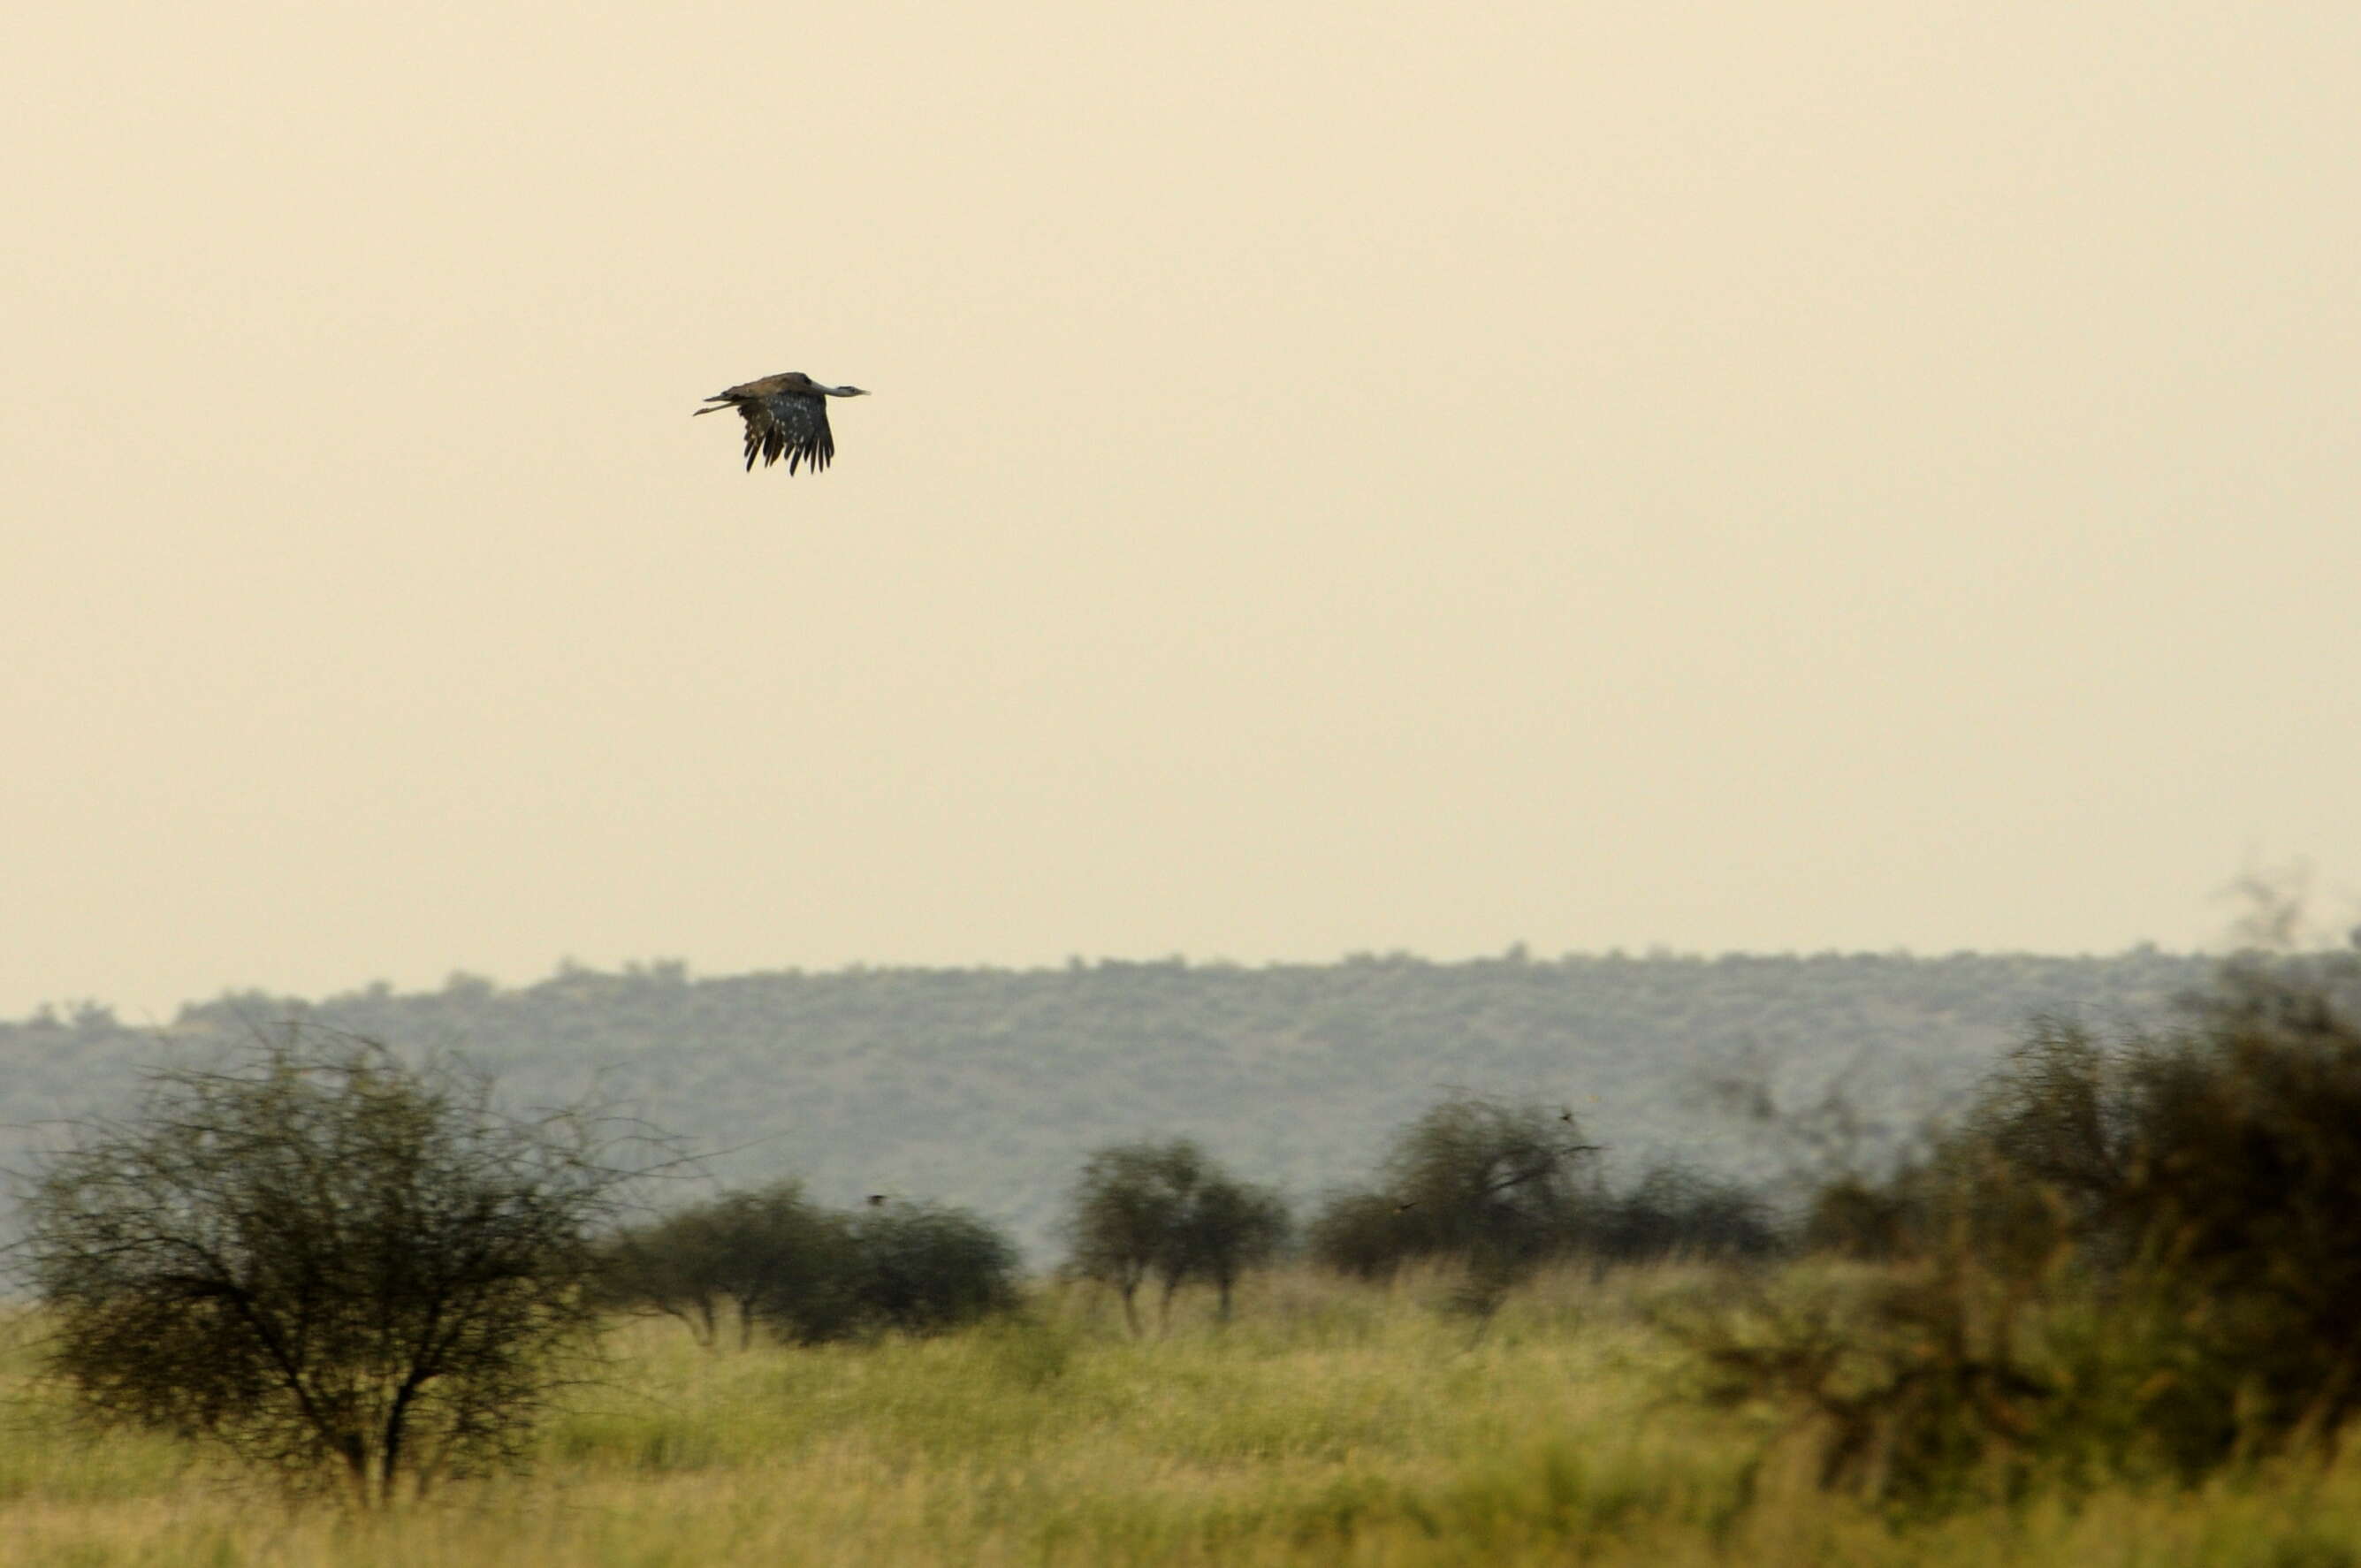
(1566, 1116)
(1406, 1208)
(877, 1200)
(787, 416)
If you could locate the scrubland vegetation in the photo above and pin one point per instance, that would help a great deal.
(2104, 1313)
(1331, 1422)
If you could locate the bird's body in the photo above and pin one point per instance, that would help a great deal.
(787, 416)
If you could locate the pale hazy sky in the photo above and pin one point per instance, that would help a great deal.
(1768, 474)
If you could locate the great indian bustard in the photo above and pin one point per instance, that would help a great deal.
(787, 416)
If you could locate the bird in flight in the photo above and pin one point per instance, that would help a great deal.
(787, 416)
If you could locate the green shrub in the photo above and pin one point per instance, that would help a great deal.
(2131, 1254)
(324, 1260)
(1500, 1188)
(1675, 1211)
(1168, 1209)
(920, 1269)
(810, 1274)
(769, 1254)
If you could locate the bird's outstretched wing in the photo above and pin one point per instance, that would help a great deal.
(787, 416)
(793, 425)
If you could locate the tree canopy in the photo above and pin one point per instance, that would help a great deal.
(323, 1258)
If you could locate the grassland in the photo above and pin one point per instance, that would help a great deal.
(1331, 1424)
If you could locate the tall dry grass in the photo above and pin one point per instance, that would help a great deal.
(1330, 1424)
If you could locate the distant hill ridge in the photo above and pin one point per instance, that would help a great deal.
(984, 1087)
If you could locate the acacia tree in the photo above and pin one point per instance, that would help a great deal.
(810, 1274)
(674, 1265)
(1121, 1209)
(1168, 1209)
(769, 1253)
(1498, 1186)
(324, 1260)
(1226, 1227)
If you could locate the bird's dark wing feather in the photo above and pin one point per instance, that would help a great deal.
(785, 424)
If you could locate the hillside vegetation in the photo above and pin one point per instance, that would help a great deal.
(986, 1088)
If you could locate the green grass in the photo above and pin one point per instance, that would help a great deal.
(1331, 1424)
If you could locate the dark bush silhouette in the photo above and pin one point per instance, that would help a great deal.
(2136, 1251)
(1124, 1208)
(2216, 1169)
(1229, 1227)
(1675, 1211)
(324, 1260)
(770, 1256)
(1858, 1217)
(1497, 1187)
(1355, 1234)
(1168, 1209)
(808, 1275)
(921, 1270)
